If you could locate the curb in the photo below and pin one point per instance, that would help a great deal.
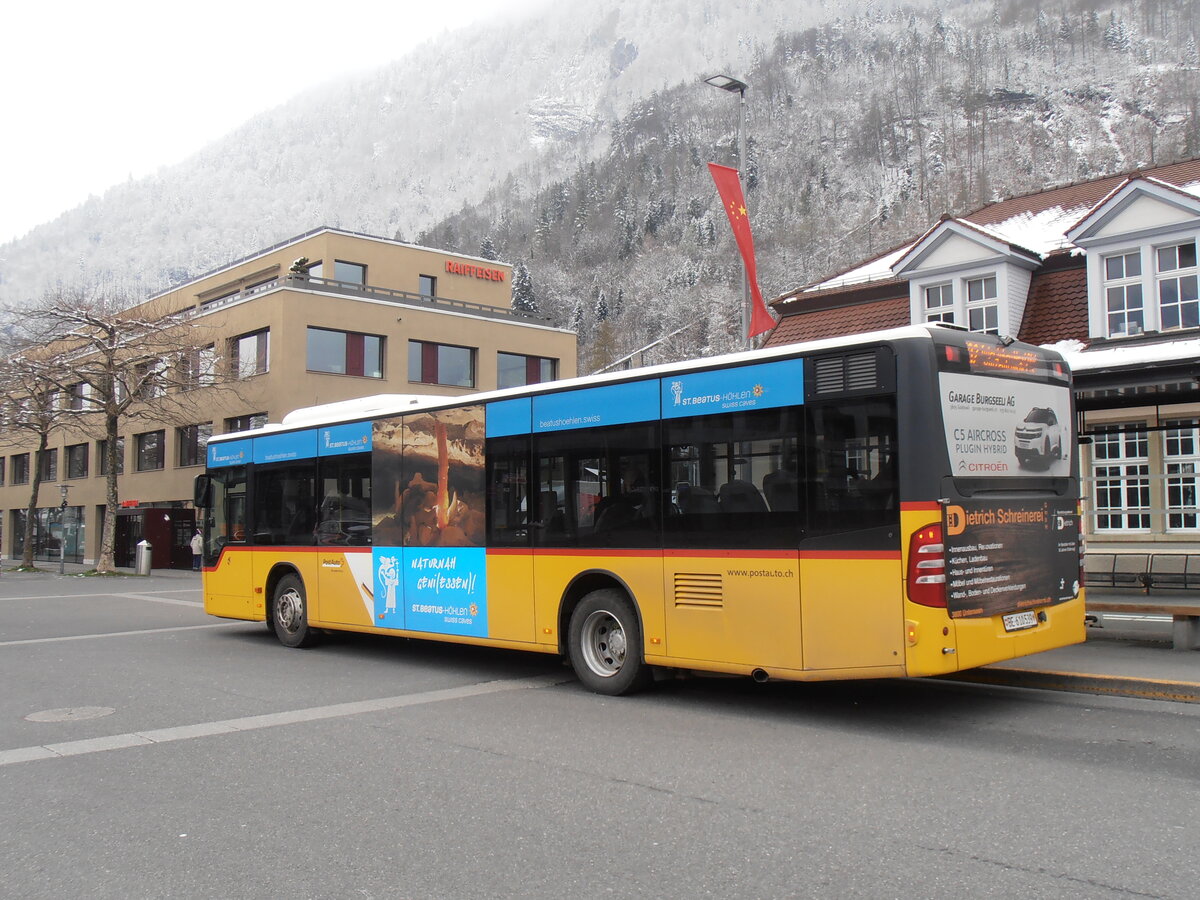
(1111, 685)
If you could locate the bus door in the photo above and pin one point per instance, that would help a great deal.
(851, 576)
(228, 574)
(515, 511)
(342, 532)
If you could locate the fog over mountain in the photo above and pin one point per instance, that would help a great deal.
(573, 140)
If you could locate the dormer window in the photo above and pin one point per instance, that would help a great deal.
(983, 306)
(939, 303)
(1123, 294)
(1179, 303)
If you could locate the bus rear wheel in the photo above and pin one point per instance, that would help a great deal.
(604, 643)
(289, 613)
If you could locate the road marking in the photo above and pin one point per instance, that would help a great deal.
(111, 634)
(271, 720)
(152, 599)
(91, 596)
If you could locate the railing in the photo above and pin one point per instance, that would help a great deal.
(374, 292)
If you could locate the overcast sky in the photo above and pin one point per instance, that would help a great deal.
(95, 93)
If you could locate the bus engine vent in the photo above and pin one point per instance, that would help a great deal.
(699, 589)
(850, 372)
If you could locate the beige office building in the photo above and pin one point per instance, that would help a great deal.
(369, 316)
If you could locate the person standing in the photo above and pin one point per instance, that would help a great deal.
(197, 550)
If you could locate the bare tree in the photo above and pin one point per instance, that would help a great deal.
(142, 362)
(32, 407)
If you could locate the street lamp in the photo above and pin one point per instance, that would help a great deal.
(737, 86)
(62, 530)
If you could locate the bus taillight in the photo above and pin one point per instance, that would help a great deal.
(927, 567)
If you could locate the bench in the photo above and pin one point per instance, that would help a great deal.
(1185, 616)
(1167, 571)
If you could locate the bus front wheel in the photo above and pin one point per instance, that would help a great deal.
(605, 644)
(289, 613)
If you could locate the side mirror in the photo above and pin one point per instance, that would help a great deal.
(202, 492)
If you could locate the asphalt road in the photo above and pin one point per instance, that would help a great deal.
(147, 750)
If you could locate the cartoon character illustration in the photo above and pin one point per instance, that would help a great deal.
(389, 577)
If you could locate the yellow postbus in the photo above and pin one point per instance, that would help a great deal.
(902, 503)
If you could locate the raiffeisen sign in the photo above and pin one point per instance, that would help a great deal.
(473, 271)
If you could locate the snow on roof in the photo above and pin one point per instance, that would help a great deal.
(1084, 360)
(876, 269)
(1042, 232)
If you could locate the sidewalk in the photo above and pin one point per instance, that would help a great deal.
(1125, 665)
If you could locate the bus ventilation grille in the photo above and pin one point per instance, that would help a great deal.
(699, 589)
(852, 372)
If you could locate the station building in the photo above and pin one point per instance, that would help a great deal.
(1103, 270)
(327, 316)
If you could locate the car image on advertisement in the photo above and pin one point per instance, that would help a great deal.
(1039, 439)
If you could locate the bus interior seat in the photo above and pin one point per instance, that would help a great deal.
(740, 496)
(694, 500)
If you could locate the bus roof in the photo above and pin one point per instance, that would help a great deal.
(387, 405)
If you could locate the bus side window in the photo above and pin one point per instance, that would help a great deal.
(509, 515)
(852, 479)
(343, 514)
(734, 479)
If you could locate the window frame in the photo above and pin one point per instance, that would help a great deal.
(192, 437)
(351, 357)
(1117, 475)
(70, 460)
(432, 362)
(527, 362)
(262, 353)
(148, 459)
(1181, 467)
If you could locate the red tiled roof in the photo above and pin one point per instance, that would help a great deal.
(1086, 193)
(825, 323)
(1057, 306)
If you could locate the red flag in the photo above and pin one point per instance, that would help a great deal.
(730, 189)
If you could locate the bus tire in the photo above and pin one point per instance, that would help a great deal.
(289, 613)
(604, 643)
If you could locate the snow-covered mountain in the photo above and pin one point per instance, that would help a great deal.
(395, 151)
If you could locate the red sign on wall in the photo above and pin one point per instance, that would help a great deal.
(473, 271)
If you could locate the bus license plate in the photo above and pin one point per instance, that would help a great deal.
(1017, 621)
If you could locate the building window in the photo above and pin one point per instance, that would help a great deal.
(150, 450)
(192, 440)
(1123, 301)
(939, 303)
(77, 396)
(430, 363)
(1121, 474)
(349, 272)
(77, 460)
(515, 369)
(427, 285)
(198, 367)
(1181, 449)
(20, 468)
(1178, 301)
(150, 381)
(48, 465)
(983, 306)
(345, 352)
(1, 470)
(246, 423)
(249, 354)
(102, 456)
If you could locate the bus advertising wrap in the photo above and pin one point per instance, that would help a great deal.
(428, 559)
(1004, 427)
(1004, 556)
